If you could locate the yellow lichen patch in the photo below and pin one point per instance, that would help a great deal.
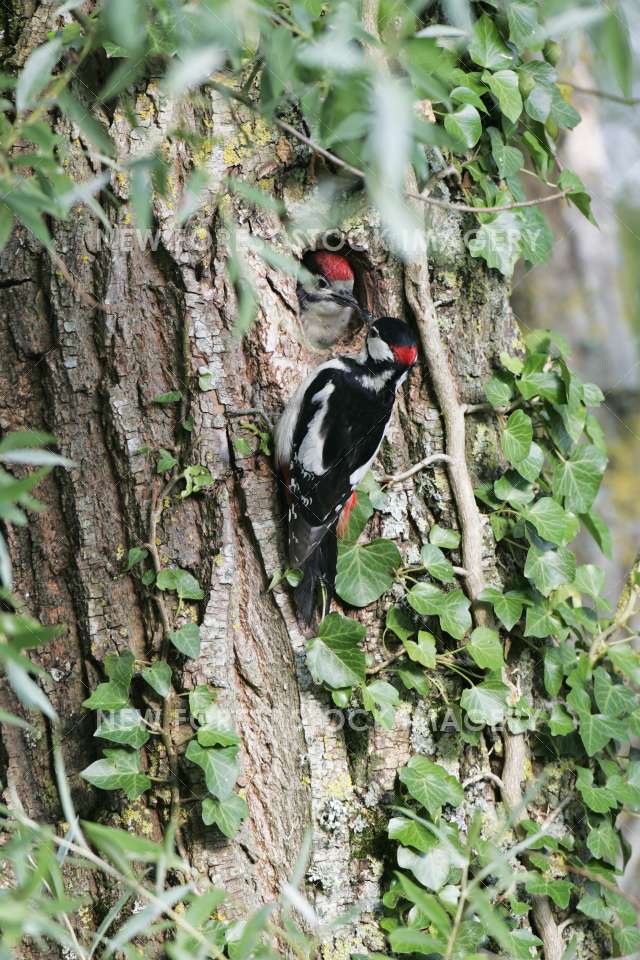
(254, 133)
(144, 107)
(341, 788)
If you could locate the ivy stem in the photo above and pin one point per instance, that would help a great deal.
(155, 513)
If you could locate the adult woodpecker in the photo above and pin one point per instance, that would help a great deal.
(325, 441)
(327, 303)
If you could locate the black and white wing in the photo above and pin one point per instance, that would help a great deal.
(339, 429)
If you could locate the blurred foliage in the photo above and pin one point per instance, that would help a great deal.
(486, 69)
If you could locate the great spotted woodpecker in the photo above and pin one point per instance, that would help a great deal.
(327, 303)
(325, 441)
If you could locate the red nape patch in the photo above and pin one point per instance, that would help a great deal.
(405, 355)
(333, 266)
(283, 470)
(341, 528)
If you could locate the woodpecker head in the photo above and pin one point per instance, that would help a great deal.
(391, 342)
(330, 288)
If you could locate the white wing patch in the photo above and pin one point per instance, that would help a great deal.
(311, 452)
(286, 425)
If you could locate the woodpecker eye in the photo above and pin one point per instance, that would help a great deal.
(323, 283)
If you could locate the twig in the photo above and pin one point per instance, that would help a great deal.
(412, 194)
(487, 775)
(603, 881)
(379, 667)
(390, 478)
(418, 293)
(602, 94)
(515, 755)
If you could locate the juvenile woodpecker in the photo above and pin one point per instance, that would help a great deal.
(325, 441)
(327, 303)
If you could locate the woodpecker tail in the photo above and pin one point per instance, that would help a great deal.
(318, 570)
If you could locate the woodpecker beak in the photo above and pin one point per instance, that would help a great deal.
(406, 356)
(348, 299)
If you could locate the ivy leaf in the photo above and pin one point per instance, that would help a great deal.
(200, 699)
(578, 479)
(558, 890)
(464, 125)
(613, 699)
(553, 671)
(508, 608)
(538, 103)
(590, 580)
(172, 396)
(509, 160)
(158, 676)
(123, 726)
(536, 238)
(455, 618)
(412, 940)
(358, 518)
(593, 906)
(411, 833)
(226, 814)
(486, 703)
(431, 785)
(598, 530)
(118, 770)
(486, 649)
(517, 436)
(523, 25)
(399, 621)
(366, 572)
(564, 115)
(423, 651)
(504, 86)
(183, 582)
(334, 657)
(166, 461)
(551, 522)
(548, 569)
(217, 728)
(467, 95)
(427, 905)
(498, 391)
(442, 537)
(513, 488)
(381, 699)
(604, 843)
(498, 242)
(219, 765)
(436, 564)
(115, 694)
(135, 556)
(187, 640)
(597, 729)
(487, 48)
(431, 869)
(560, 722)
(578, 195)
(598, 799)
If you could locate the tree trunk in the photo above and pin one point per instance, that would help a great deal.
(166, 317)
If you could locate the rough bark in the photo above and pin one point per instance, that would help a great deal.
(89, 376)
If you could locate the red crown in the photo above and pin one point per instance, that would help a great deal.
(332, 265)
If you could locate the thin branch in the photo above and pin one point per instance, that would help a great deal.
(487, 775)
(379, 667)
(412, 194)
(603, 881)
(602, 94)
(390, 478)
